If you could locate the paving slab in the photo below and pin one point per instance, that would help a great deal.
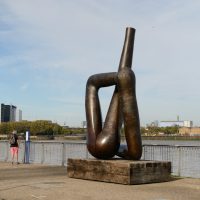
(31, 181)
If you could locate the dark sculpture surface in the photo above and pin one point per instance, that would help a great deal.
(104, 142)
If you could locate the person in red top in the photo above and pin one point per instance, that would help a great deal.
(14, 146)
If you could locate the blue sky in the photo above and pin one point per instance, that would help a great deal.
(49, 48)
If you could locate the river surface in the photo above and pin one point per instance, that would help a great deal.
(150, 142)
(172, 142)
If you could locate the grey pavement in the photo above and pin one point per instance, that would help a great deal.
(32, 181)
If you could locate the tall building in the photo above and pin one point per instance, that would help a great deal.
(8, 113)
(84, 124)
(19, 115)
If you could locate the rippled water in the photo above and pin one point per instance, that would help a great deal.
(172, 142)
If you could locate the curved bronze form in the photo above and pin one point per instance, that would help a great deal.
(104, 143)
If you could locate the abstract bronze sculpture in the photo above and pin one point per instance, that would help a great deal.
(104, 143)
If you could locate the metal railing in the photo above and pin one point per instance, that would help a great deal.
(185, 159)
(52, 153)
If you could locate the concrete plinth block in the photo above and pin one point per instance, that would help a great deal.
(119, 171)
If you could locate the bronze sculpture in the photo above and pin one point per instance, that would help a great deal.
(104, 143)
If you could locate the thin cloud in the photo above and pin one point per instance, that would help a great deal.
(24, 87)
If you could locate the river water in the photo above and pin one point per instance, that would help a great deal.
(172, 142)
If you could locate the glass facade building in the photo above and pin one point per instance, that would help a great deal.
(8, 113)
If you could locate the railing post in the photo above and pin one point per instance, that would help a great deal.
(24, 152)
(152, 152)
(179, 161)
(144, 149)
(63, 154)
(87, 154)
(8, 149)
(42, 159)
(27, 152)
(27, 147)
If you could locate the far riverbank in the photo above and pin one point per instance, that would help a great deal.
(169, 137)
(82, 137)
(181, 138)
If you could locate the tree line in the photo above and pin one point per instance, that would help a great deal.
(39, 127)
(154, 130)
(44, 127)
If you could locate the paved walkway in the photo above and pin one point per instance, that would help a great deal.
(29, 182)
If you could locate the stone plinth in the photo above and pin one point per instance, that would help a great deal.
(119, 171)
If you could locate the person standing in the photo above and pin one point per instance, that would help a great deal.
(14, 146)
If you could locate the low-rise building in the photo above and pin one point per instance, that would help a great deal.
(191, 131)
(185, 123)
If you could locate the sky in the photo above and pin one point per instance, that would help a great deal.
(49, 48)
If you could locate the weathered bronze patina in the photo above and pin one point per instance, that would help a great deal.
(104, 142)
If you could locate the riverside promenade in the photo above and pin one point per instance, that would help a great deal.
(33, 181)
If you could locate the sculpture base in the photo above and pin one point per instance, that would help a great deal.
(119, 171)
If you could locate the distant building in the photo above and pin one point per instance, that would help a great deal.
(176, 123)
(65, 126)
(154, 124)
(188, 124)
(84, 124)
(8, 113)
(19, 115)
(190, 131)
(171, 123)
